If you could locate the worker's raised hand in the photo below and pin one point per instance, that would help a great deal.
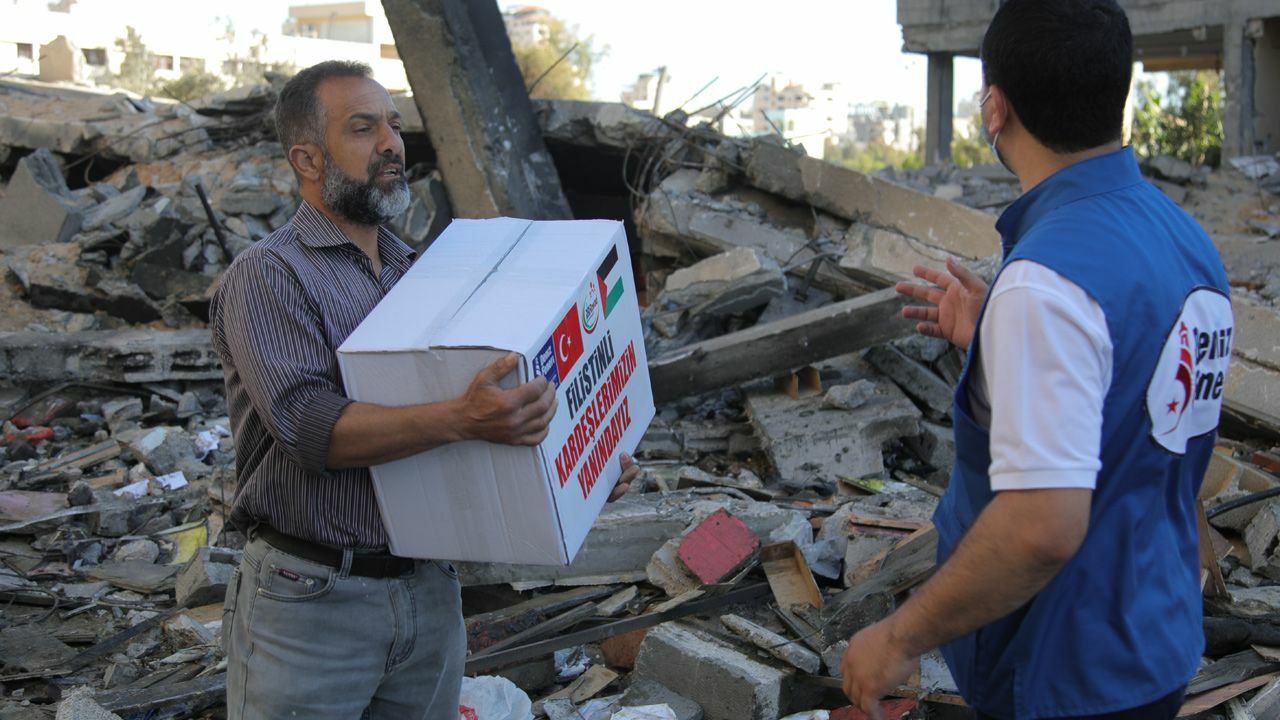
(630, 473)
(874, 666)
(518, 416)
(955, 299)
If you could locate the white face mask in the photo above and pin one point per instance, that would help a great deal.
(991, 141)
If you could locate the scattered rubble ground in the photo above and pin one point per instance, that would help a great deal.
(801, 444)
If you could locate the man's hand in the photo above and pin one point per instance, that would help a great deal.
(630, 473)
(873, 666)
(518, 416)
(955, 299)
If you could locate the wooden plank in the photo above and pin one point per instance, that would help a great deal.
(789, 576)
(489, 661)
(484, 629)
(1209, 700)
(563, 621)
(178, 699)
(1215, 587)
(617, 602)
(585, 686)
(770, 348)
(784, 649)
(902, 566)
(1231, 669)
(887, 522)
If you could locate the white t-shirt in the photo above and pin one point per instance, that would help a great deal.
(1038, 383)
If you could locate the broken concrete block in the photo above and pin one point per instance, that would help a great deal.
(886, 256)
(719, 547)
(30, 647)
(204, 580)
(665, 571)
(53, 277)
(37, 206)
(915, 379)
(120, 411)
(935, 445)
(810, 446)
(647, 692)
(164, 449)
(727, 683)
(790, 652)
(78, 704)
(1260, 536)
(723, 284)
(184, 631)
(850, 396)
(142, 549)
(113, 209)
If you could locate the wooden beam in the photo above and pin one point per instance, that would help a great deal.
(783, 345)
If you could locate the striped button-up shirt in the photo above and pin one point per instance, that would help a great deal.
(284, 307)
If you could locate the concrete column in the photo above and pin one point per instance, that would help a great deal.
(1266, 87)
(476, 109)
(941, 108)
(1237, 89)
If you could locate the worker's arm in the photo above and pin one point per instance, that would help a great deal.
(1019, 542)
(367, 434)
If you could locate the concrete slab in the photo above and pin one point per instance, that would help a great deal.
(37, 206)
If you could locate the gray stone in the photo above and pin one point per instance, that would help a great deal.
(121, 411)
(144, 550)
(833, 655)
(647, 692)
(922, 348)
(915, 379)
(136, 355)
(848, 397)
(204, 579)
(727, 283)
(54, 277)
(811, 446)
(726, 683)
(1256, 601)
(78, 704)
(249, 202)
(164, 449)
(1170, 168)
(113, 209)
(935, 445)
(80, 494)
(37, 206)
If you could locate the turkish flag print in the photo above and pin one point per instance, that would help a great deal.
(567, 341)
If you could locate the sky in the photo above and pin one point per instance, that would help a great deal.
(854, 42)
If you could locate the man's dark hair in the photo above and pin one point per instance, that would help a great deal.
(299, 115)
(1065, 66)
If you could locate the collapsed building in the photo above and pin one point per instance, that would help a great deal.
(801, 425)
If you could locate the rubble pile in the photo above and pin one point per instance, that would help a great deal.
(801, 444)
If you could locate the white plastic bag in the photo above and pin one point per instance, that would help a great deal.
(493, 698)
(645, 712)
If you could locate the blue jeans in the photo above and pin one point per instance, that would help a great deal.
(304, 640)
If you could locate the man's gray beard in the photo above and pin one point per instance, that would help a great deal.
(363, 203)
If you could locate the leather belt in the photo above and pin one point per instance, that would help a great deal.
(371, 565)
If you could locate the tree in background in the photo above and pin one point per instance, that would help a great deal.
(971, 149)
(138, 69)
(873, 156)
(252, 69)
(193, 84)
(1184, 121)
(558, 67)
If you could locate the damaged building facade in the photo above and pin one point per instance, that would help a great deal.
(1239, 37)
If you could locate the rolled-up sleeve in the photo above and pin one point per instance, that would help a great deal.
(277, 343)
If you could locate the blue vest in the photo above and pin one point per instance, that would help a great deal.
(1121, 625)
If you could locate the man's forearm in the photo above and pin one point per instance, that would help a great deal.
(368, 434)
(1018, 544)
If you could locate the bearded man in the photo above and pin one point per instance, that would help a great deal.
(320, 620)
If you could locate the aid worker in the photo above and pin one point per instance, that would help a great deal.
(1068, 582)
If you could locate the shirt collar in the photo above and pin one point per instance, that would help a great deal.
(317, 231)
(1095, 176)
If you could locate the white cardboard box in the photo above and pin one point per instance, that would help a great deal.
(561, 294)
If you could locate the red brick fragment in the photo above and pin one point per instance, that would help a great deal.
(720, 546)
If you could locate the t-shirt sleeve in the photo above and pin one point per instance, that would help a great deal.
(1046, 362)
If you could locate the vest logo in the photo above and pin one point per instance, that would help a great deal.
(1184, 397)
(590, 303)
